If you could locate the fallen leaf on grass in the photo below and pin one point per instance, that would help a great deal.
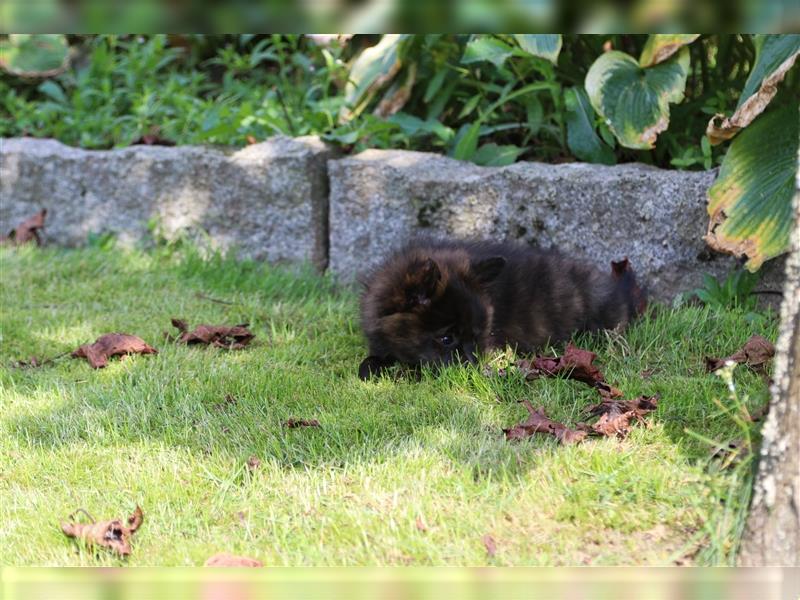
(539, 422)
(32, 363)
(114, 534)
(731, 453)
(755, 353)
(230, 400)
(490, 545)
(112, 344)
(27, 231)
(576, 363)
(223, 559)
(616, 415)
(421, 525)
(293, 423)
(232, 338)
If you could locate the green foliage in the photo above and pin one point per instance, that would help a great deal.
(34, 55)
(735, 292)
(750, 203)
(634, 101)
(128, 86)
(582, 139)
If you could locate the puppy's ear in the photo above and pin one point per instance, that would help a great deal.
(487, 269)
(373, 365)
(421, 282)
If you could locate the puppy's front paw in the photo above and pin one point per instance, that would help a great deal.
(372, 366)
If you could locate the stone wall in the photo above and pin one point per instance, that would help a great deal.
(655, 217)
(292, 200)
(269, 200)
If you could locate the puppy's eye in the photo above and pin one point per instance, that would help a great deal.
(446, 340)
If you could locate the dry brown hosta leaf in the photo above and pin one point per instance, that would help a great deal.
(293, 423)
(576, 363)
(490, 545)
(223, 559)
(232, 338)
(539, 422)
(112, 344)
(718, 131)
(755, 353)
(114, 534)
(616, 414)
(27, 231)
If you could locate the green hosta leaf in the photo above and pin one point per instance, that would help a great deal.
(775, 55)
(34, 55)
(659, 47)
(543, 45)
(373, 69)
(487, 48)
(634, 101)
(581, 137)
(492, 155)
(750, 203)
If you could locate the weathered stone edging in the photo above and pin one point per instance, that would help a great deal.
(272, 201)
(269, 200)
(653, 216)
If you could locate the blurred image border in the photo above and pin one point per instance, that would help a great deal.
(477, 583)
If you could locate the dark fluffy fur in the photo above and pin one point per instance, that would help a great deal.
(439, 301)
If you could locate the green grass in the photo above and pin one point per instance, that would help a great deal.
(156, 430)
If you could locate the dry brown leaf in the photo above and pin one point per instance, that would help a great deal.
(490, 545)
(27, 231)
(112, 344)
(421, 525)
(731, 453)
(153, 138)
(616, 415)
(114, 534)
(756, 353)
(232, 338)
(293, 423)
(751, 108)
(576, 363)
(539, 422)
(223, 559)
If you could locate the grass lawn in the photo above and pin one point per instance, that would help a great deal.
(400, 472)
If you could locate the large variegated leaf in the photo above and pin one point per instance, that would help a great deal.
(543, 45)
(775, 55)
(750, 203)
(34, 55)
(634, 101)
(659, 47)
(373, 69)
(582, 139)
(487, 48)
